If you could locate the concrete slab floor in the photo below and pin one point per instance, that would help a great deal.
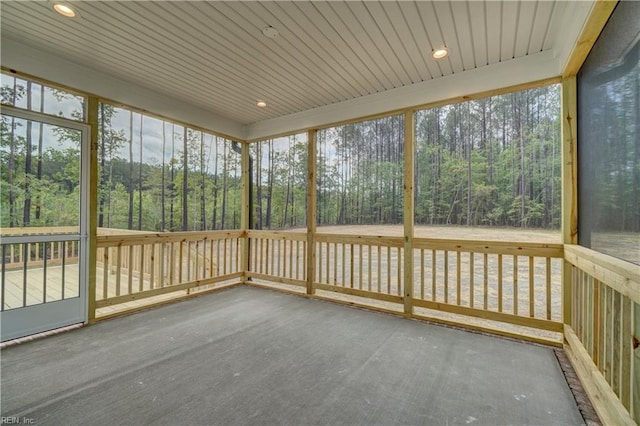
(254, 356)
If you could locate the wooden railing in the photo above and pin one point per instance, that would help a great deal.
(137, 265)
(360, 265)
(515, 283)
(278, 257)
(34, 254)
(601, 335)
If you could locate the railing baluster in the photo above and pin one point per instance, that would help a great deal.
(532, 311)
(24, 273)
(486, 281)
(446, 276)
(64, 270)
(224, 262)
(548, 286)
(118, 268)
(141, 274)
(472, 286)
(458, 276)
(515, 284)
(500, 274)
(369, 275)
(351, 265)
(44, 271)
(360, 262)
(434, 260)
(421, 273)
(388, 270)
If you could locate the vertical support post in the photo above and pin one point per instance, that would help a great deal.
(409, 143)
(244, 215)
(569, 185)
(311, 209)
(92, 117)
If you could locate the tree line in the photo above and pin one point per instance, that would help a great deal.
(492, 161)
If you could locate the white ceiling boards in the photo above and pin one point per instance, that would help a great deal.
(213, 61)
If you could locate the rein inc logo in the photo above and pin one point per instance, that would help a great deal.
(14, 420)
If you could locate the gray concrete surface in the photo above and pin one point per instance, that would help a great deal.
(254, 356)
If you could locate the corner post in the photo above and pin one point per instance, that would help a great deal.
(311, 209)
(569, 186)
(92, 118)
(409, 143)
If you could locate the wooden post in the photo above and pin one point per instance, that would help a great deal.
(311, 209)
(409, 136)
(569, 185)
(92, 116)
(244, 215)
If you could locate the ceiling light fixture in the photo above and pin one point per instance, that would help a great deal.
(261, 104)
(440, 52)
(65, 9)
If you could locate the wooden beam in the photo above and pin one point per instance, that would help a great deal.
(92, 118)
(569, 185)
(408, 211)
(602, 10)
(244, 214)
(311, 209)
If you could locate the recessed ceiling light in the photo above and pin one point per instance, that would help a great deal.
(261, 104)
(270, 32)
(440, 52)
(65, 9)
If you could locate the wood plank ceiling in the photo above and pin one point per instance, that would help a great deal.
(214, 55)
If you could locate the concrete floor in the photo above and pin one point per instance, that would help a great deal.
(254, 356)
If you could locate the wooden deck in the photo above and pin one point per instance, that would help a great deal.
(37, 293)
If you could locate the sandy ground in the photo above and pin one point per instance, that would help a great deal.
(451, 232)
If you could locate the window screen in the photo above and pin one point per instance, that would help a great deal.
(609, 139)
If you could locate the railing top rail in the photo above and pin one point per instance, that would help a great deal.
(376, 240)
(164, 237)
(492, 247)
(278, 235)
(622, 276)
(40, 230)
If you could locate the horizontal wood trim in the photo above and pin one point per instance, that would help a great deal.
(373, 240)
(491, 330)
(604, 400)
(538, 323)
(278, 235)
(357, 292)
(46, 230)
(274, 278)
(491, 247)
(163, 290)
(622, 276)
(165, 237)
(166, 302)
(602, 10)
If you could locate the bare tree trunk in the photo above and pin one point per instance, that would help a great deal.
(185, 184)
(162, 180)
(26, 213)
(39, 164)
(130, 217)
(140, 181)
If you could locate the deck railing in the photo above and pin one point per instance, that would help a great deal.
(600, 333)
(462, 277)
(137, 265)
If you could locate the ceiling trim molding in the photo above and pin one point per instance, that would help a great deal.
(46, 65)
